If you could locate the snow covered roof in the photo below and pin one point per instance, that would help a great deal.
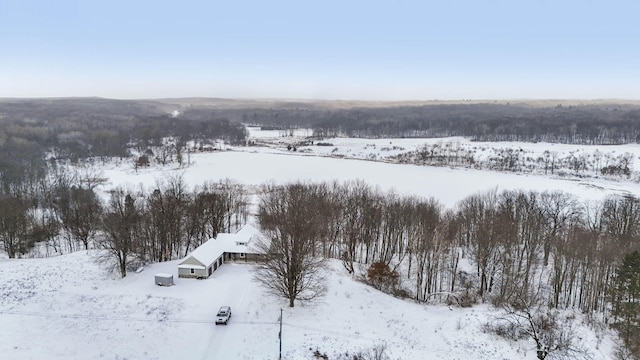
(246, 235)
(207, 253)
(242, 241)
(191, 266)
(249, 231)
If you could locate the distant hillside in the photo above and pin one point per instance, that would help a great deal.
(562, 121)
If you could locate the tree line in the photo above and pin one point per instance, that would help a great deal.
(514, 239)
(528, 250)
(76, 129)
(594, 124)
(498, 247)
(578, 163)
(38, 133)
(134, 226)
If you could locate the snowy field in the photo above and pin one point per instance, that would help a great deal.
(381, 149)
(67, 307)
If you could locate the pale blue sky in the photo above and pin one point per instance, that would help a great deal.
(349, 49)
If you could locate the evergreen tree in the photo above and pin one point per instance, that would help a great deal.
(626, 301)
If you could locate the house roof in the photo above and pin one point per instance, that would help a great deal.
(248, 235)
(207, 253)
(191, 266)
(249, 231)
(212, 249)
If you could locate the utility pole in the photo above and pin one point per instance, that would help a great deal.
(280, 335)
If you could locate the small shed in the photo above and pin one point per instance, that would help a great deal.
(164, 279)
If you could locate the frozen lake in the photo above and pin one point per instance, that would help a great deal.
(447, 185)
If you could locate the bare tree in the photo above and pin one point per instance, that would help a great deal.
(79, 213)
(215, 209)
(352, 222)
(477, 219)
(119, 225)
(621, 220)
(164, 154)
(427, 245)
(76, 207)
(528, 317)
(393, 230)
(519, 229)
(181, 145)
(164, 218)
(86, 210)
(288, 217)
(15, 224)
(194, 223)
(560, 210)
(236, 201)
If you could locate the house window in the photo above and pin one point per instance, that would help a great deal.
(193, 271)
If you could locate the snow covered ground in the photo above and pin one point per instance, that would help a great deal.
(384, 148)
(67, 307)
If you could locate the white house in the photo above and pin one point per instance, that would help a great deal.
(206, 259)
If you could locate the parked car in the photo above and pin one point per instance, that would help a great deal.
(224, 314)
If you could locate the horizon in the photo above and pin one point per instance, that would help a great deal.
(393, 51)
(556, 101)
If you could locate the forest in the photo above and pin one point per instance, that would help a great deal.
(35, 134)
(596, 123)
(35, 131)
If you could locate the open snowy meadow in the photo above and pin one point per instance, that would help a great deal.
(68, 307)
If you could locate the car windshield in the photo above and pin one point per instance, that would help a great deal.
(222, 313)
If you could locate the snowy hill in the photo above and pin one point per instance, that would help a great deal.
(65, 308)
